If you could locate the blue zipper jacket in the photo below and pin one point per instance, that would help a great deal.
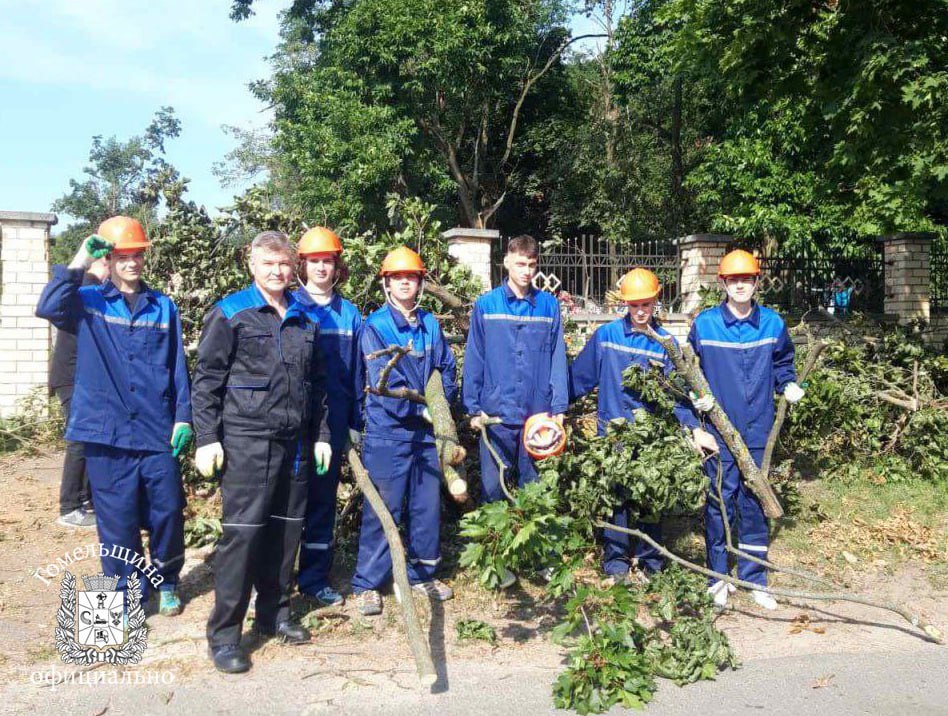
(340, 330)
(515, 360)
(131, 383)
(745, 362)
(612, 349)
(395, 418)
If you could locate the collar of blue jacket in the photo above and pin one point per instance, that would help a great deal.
(730, 319)
(110, 290)
(303, 296)
(511, 296)
(402, 323)
(252, 298)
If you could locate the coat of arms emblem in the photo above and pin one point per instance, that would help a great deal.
(100, 623)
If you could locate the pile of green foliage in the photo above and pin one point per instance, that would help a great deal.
(621, 637)
(848, 424)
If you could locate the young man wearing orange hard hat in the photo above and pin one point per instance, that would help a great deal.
(321, 269)
(747, 356)
(399, 447)
(131, 405)
(613, 348)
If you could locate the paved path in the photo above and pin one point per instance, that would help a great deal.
(913, 683)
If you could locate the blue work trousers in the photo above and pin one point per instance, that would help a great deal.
(135, 490)
(617, 546)
(408, 477)
(519, 466)
(747, 520)
(317, 550)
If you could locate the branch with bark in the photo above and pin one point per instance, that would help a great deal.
(686, 363)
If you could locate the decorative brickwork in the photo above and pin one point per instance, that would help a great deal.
(907, 281)
(24, 339)
(700, 256)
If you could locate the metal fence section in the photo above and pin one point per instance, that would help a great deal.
(938, 276)
(794, 284)
(589, 267)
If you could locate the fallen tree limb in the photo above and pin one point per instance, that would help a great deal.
(914, 618)
(382, 389)
(686, 363)
(450, 452)
(812, 356)
(729, 541)
(416, 637)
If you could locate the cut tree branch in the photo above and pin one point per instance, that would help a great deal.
(686, 363)
(416, 637)
(912, 617)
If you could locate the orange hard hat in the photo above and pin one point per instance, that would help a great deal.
(319, 240)
(739, 263)
(543, 437)
(639, 284)
(402, 259)
(124, 233)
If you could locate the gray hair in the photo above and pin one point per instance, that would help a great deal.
(275, 241)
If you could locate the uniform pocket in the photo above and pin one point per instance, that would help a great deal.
(256, 345)
(249, 393)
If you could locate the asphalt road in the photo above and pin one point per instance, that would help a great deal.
(913, 683)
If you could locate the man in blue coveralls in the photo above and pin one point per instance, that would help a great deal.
(514, 367)
(321, 268)
(260, 416)
(399, 448)
(131, 403)
(747, 355)
(613, 348)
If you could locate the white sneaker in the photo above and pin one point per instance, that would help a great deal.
(719, 593)
(764, 600)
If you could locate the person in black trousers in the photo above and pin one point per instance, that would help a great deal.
(75, 498)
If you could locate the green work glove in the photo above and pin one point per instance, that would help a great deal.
(181, 437)
(97, 247)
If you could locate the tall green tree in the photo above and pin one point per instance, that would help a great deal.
(122, 177)
(418, 97)
(840, 124)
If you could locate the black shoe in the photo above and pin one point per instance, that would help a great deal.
(230, 659)
(288, 632)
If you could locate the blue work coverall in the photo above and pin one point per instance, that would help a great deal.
(745, 361)
(399, 447)
(131, 387)
(340, 329)
(514, 367)
(613, 348)
(259, 391)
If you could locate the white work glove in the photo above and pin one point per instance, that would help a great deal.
(704, 441)
(209, 459)
(426, 414)
(355, 437)
(477, 422)
(322, 452)
(793, 393)
(702, 404)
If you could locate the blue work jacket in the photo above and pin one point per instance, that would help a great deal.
(612, 349)
(745, 361)
(397, 418)
(259, 376)
(340, 330)
(131, 383)
(515, 360)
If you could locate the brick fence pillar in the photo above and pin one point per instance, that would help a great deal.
(907, 275)
(472, 248)
(24, 339)
(700, 255)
